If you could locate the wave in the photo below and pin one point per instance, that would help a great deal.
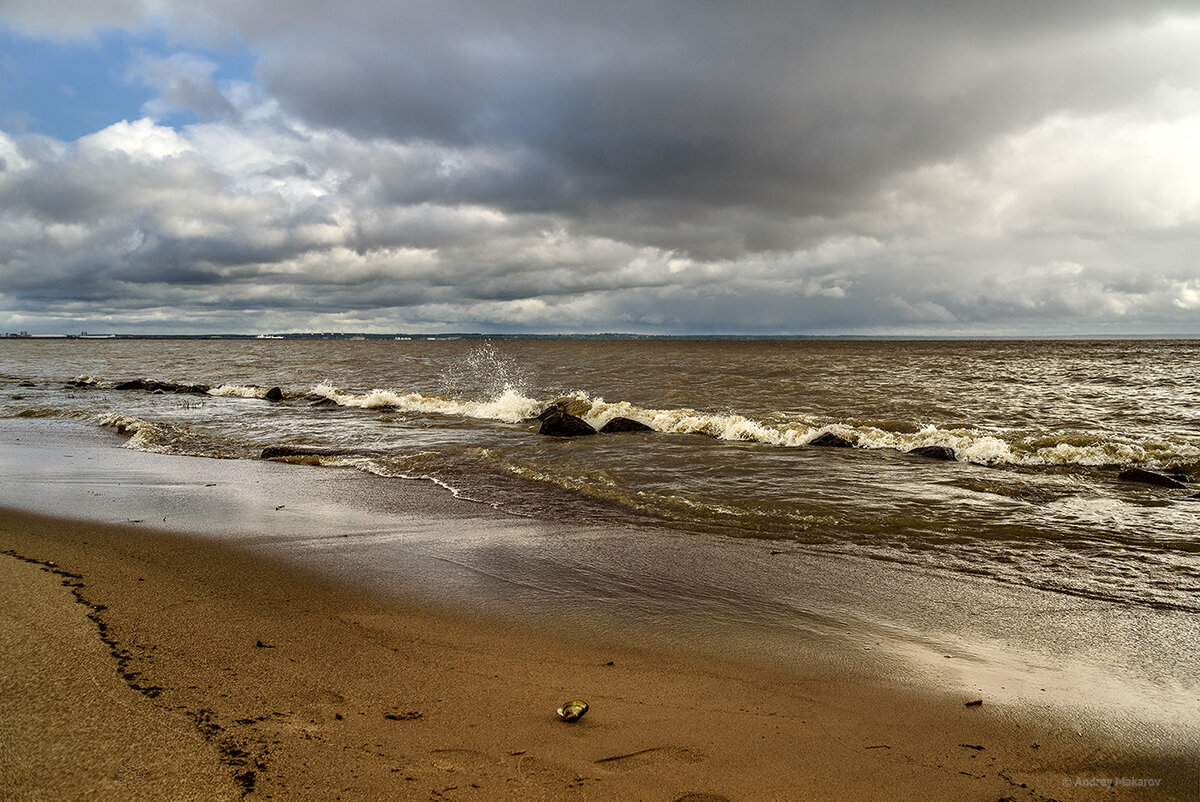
(503, 402)
(240, 391)
(389, 466)
(508, 406)
(143, 435)
(968, 444)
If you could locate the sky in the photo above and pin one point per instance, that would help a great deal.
(875, 167)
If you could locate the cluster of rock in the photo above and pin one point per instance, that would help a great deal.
(557, 421)
(563, 418)
(171, 388)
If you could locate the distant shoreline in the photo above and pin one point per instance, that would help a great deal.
(403, 336)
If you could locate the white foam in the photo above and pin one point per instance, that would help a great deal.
(509, 406)
(239, 391)
(143, 435)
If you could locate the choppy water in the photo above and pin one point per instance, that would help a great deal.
(1040, 430)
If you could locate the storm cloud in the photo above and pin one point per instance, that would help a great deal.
(870, 167)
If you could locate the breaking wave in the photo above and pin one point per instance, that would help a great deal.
(501, 401)
(969, 445)
(508, 406)
(240, 391)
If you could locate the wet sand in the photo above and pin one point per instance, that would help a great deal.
(151, 660)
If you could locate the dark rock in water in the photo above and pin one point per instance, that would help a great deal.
(560, 424)
(282, 452)
(577, 407)
(163, 387)
(1181, 474)
(624, 425)
(831, 440)
(81, 383)
(1149, 478)
(934, 452)
(315, 400)
(274, 394)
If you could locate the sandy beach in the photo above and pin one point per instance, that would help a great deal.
(142, 661)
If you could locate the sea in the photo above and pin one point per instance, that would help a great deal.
(1040, 433)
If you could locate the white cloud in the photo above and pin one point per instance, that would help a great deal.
(141, 141)
(587, 167)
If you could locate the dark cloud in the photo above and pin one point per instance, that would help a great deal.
(677, 166)
(796, 106)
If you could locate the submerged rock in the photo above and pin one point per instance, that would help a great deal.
(134, 384)
(1149, 478)
(934, 452)
(624, 425)
(577, 407)
(559, 424)
(315, 400)
(274, 394)
(830, 440)
(163, 387)
(284, 451)
(1176, 472)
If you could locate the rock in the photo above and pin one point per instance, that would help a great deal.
(315, 400)
(830, 440)
(281, 452)
(163, 387)
(560, 424)
(1179, 473)
(570, 406)
(1149, 478)
(624, 425)
(934, 452)
(274, 394)
(27, 384)
(82, 383)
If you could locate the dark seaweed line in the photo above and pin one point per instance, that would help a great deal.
(244, 765)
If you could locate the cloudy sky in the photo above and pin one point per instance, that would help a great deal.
(674, 166)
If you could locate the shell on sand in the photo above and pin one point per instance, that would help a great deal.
(573, 710)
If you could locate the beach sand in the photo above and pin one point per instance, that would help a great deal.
(141, 664)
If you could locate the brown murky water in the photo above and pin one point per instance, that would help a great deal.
(1040, 432)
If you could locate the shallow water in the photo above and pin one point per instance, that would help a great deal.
(1040, 431)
